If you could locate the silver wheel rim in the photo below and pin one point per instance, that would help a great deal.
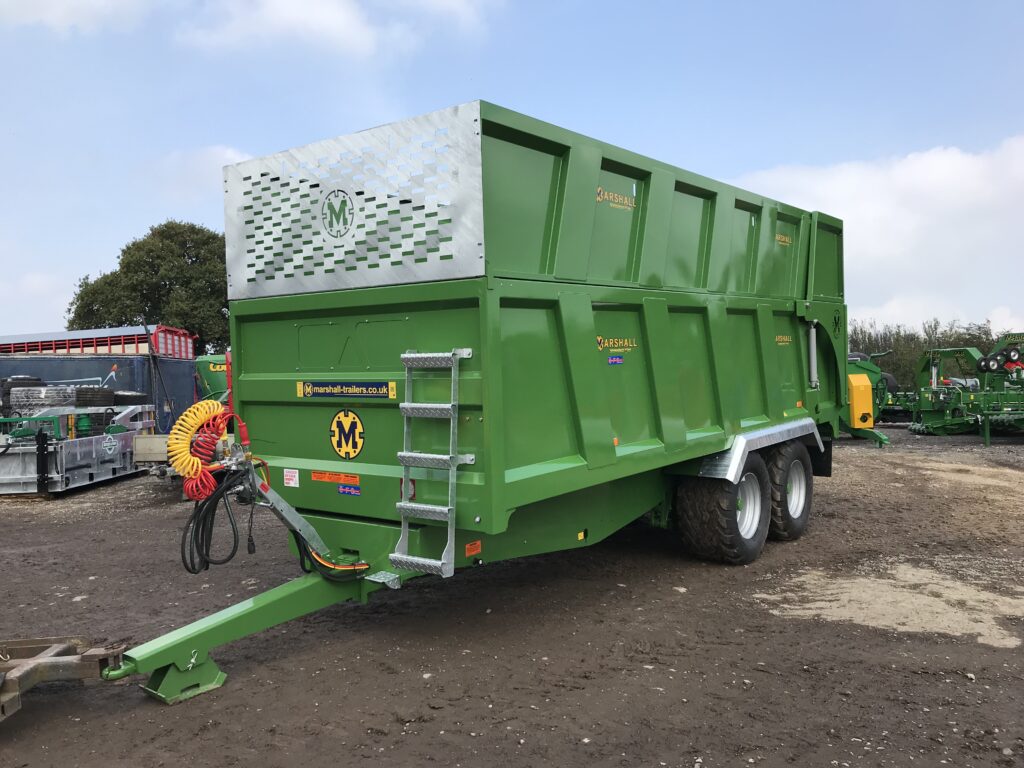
(748, 505)
(796, 490)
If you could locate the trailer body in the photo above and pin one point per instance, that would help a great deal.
(626, 318)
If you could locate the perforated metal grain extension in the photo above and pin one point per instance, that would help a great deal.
(400, 203)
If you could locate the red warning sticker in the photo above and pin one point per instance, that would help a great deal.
(473, 548)
(335, 477)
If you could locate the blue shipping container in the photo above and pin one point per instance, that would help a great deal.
(171, 383)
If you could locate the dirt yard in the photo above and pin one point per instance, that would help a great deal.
(889, 636)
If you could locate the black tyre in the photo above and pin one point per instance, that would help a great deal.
(726, 522)
(124, 397)
(792, 478)
(15, 382)
(1013, 355)
(890, 382)
(992, 364)
(856, 357)
(94, 397)
(33, 399)
(983, 365)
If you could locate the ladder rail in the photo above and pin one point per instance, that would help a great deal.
(407, 508)
(448, 556)
(403, 538)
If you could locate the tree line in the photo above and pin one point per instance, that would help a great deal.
(908, 344)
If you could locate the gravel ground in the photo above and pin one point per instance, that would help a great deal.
(890, 635)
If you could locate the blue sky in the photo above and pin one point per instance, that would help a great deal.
(903, 118)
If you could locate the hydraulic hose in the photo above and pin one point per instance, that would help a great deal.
(192, 445)
(197, 536)
(310, 561)
(191, 451)
(179, 442)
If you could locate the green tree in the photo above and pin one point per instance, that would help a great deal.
(175, 275)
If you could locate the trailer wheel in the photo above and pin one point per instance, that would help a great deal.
(789, 467)
(722, 521)
(1013, 355)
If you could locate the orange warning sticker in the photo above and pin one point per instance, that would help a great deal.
(335, 477)
(473, 548)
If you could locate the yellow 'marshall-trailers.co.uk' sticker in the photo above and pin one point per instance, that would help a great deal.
(381, 390)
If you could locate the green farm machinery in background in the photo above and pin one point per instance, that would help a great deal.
(873, 386)
(474, 336)
(960, 390)
(212, 377)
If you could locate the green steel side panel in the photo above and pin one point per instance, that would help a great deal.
(569, 387)
(590, 417)
(562, 206)
(520, 241)
(533, 369)
(668, 399)
(631, 316)
(689, 238)
(826, 270)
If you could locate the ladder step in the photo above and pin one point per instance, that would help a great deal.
(435, 359)
(428, 410)
(424, 511)
(388, 579)
(428, 359)
(421, 564)
(433, 460)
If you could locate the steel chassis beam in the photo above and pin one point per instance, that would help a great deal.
(178, 663)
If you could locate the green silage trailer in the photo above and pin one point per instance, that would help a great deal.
(473, 336)
(212, 377)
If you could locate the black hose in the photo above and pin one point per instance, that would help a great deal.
(197, 537)
(309, 564)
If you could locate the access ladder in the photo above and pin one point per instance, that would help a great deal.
(408, 458)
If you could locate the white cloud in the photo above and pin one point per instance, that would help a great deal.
(929, 234)
(356, 28)
(66, 15)
(195, 175)
(232, 23)
(468, 15)
(1006, 319)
